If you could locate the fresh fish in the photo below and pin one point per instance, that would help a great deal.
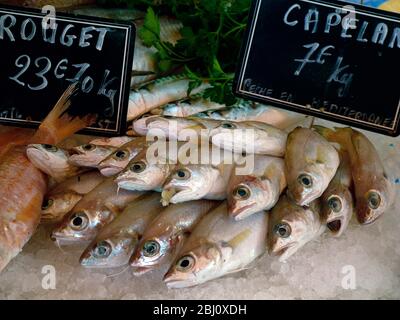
(159, 93)
(218, 246)
(197, 181)
(337, 200)
(92, 153)
(120, 158)
(292, 226)
(310, 164)
(96, 209)
(188, 108)
(238, 137)
(168, 231)
(249, 111)
(53, 161)
(117, 241)
(142, 174)
(63, 198)
(259, 189)
(374, 192)
(23, 186)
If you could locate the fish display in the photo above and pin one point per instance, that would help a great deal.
(158, 93)
(96, 209)
(117, 241)
(310, 164)
(337, 200)
(292, 226)
(166, 234)
(62, 198)
(23, 185)
(218, 246)
(53, 161)
(187, 108)
(374, 192)
(258, 190)
(119, 159)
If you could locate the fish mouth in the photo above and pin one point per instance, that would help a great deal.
(335, 225)
(139, 271)
(240, 213)
(35, 152)
(280, 252)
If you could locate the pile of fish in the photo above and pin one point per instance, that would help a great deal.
(202, 220)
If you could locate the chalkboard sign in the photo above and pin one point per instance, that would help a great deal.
(324, 58)
(42, 54)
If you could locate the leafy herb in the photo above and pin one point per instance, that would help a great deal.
(210, 44)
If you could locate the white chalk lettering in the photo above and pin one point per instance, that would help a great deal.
(6, 28)
(285, 19)
(24, 25)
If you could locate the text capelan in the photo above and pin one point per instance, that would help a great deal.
(349, 26)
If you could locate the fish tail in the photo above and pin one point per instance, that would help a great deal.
(58, 125)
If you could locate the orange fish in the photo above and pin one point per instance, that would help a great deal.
(22, 185)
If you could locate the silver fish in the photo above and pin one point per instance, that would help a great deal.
(311, 163)
(96, 209)
(292, 226)
(218, 246)
(117, 241)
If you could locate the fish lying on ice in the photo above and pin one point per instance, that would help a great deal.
(218, 246)
(120, 158)
(246, 136)
(96, 209)
(374, 192)
(116, 242)
(62, 198)
(23, 185)
(310, 164)
(92, 153)
(258, 189)
(167, 232)
(53, 161)
(292, 226)
(159, 93)
(337, 200)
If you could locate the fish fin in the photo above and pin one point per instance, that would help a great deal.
(240, 237)
(327, 133)
(338, 135)
(58, 125)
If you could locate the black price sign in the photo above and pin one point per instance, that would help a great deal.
(42, 54)
(324, 58)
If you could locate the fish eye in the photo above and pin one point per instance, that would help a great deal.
(241, 193)
(47, 203)
(79, 221)
(138, 167)
(50, 147)
(120, 155)
(335, 204)
(182, 174)
(374, 200)
(88, 147)
(283, 230)
(185, 263)
(151, 248)
(228, 125)
(305, 180)
(102, 250)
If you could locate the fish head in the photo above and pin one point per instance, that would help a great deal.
(289, 228)
(109, 252)
(90, 155)
(47, 157)
(152, 251)
(250, 195)
(115, 162)
(190, 182)
(194, 267)
(54, 207)
(372, 203)
(337, 208)
(81, 225)
(140, 125)
(143, 175)
(308, 185)
(231, 135)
